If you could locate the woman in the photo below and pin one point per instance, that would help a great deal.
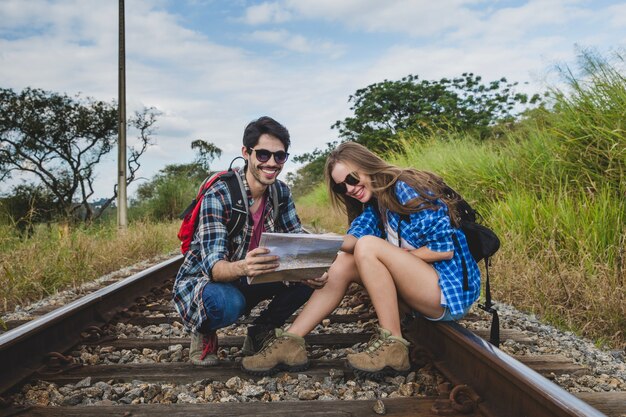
(404, 244)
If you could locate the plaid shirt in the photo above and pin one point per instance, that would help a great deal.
(430, 228)
(211, 244)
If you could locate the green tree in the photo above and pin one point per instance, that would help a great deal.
(463, 103)
(206, 152)
(169, 192)
(26, 205)
(60, 140)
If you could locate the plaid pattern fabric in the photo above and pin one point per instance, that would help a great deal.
(430, 228)
(211, 244)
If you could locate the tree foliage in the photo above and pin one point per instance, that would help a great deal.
(206, 152)
(463, 103)
(27, 205)
(169, 192)
(60, 140)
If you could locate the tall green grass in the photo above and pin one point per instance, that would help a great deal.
(553, 187)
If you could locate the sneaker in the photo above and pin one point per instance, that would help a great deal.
(203, 349)
(283, 352)
(256, 338)
(385, 355)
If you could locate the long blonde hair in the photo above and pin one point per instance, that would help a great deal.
(384, 176)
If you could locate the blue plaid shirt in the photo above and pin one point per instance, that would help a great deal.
(430, 228)
(211, 244)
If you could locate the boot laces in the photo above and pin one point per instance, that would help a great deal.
(375, 343)
(268, 342)
(209, 345)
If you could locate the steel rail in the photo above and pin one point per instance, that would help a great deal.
(505, 386)
(23, 350)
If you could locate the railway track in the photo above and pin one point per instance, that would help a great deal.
(123, 350)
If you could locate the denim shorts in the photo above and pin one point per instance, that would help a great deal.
(447, 316)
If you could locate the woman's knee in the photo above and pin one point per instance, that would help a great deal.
(367, 247)
(343, 270)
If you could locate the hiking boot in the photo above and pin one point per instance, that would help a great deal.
(384, 355)
(256, 337)
(283, 352)
(203, 349)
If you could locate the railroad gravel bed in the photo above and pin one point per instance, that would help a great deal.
(607, 369)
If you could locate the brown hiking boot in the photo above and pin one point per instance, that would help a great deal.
(283, 352)
(384, 355)
(203, 349)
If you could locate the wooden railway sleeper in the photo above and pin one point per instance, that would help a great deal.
(460, 399)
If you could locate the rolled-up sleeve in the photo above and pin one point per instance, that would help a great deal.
(431, 226)
(435, 229)
(365, 224)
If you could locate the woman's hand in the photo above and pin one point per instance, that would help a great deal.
(317, 283)
(431, 256)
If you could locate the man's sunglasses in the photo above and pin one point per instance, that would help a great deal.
(351, 179)
(263, 155)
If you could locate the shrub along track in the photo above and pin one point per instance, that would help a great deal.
(123, 350)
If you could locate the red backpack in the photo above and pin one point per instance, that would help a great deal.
(240, 208)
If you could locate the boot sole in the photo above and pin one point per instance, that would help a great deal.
(205, 363)
(378, 375)
(281, 367)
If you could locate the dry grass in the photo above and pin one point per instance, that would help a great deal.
(57, 257)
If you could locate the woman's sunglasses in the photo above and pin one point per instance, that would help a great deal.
(351, 179)
(263, 155)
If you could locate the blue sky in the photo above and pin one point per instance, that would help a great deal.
(211, 66)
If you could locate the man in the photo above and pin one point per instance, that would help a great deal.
(211, 290)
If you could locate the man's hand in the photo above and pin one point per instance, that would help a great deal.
(257, 262)
(317, 283)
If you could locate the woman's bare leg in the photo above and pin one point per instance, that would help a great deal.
(386, 271)
(323, 301)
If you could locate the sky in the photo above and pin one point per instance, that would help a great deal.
(211, 66)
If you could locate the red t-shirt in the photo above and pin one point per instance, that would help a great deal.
(258, 225)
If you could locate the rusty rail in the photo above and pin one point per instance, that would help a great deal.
(24, 349)
(505, 386)
(483, 378)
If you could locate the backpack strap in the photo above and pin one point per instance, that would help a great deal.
(494, 336)
(239, 209)
(274, 195)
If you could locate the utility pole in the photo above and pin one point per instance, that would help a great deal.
(121, 128)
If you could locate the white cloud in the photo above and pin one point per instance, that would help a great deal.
(266, 13)
(414, 17)
(211, 87)
(297, 43)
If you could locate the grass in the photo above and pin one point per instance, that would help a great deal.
(554, 189)
(57, 257)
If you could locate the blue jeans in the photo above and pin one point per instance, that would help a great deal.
(225, 302)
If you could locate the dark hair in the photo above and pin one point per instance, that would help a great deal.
(263, 125)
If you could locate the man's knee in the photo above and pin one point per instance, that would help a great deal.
(223, 303)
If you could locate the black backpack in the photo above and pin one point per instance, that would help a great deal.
(483, 243)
